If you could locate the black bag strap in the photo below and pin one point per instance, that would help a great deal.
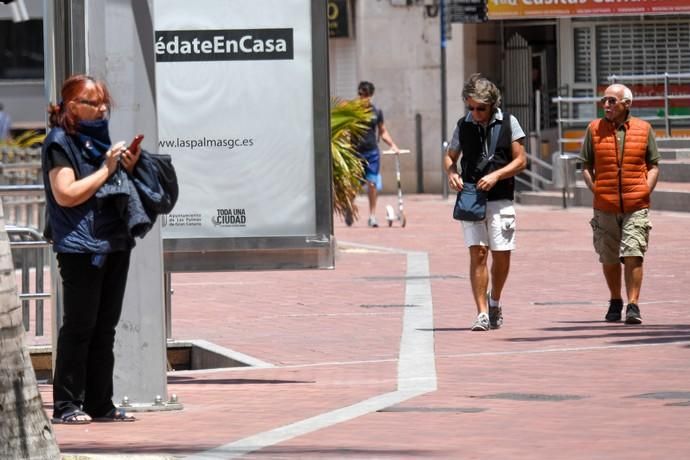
(486, 159)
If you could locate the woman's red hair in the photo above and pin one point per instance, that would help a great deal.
(58, 115)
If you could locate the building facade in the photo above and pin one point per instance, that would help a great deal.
(534, 50)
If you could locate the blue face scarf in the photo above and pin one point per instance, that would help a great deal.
(94, 137)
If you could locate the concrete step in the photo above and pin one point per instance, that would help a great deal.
(182, 355)
(667, 196)
(674, 154)
(671, 170)
(675, 170)
(673, 142)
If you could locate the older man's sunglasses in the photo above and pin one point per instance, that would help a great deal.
(609, 100)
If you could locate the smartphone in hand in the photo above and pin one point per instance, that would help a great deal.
(135, 143)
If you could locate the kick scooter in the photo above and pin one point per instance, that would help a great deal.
(390, 212)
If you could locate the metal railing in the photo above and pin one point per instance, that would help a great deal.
(20, 166)
(667, 97)
(566, 105)
(24, 211)
(537, 179)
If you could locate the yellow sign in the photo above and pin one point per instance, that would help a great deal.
(521, 9)
(338, 25)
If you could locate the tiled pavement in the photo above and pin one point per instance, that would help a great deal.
(354, 350)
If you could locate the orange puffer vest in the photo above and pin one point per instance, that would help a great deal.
(620, 184)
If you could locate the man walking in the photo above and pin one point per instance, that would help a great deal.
(487, 136)
(368, 150)
(621, 168)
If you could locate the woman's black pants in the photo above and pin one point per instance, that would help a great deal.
(85, 360)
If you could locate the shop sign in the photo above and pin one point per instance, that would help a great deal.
(520, 9)
(466, 11)
(338, 24)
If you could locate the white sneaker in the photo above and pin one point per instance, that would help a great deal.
(481, 323)
(372, 222)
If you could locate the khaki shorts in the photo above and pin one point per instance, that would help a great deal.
(620, 235)
(497, 231)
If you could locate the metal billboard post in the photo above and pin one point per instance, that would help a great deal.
(445, 36)
(125, 61)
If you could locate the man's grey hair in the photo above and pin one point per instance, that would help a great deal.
(627, 94)
(481, 89)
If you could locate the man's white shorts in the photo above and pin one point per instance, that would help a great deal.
(497, 231)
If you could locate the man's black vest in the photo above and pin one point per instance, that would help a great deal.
(472, 142)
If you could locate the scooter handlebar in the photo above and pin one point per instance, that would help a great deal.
(391, 152)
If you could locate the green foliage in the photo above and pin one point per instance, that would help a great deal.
(27, 139)
(348, 121)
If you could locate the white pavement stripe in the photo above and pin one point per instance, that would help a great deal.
(416, 371)
(417, 366)
(287, 432)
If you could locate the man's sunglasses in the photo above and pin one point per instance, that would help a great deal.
(478, 108)
(363, 93)
(609, 99)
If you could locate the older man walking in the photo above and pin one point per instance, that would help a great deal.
(621, 168)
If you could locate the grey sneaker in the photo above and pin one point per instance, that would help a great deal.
(372, 222)
(495, 317)
(495, 313)
(481, 323)
(632, 314)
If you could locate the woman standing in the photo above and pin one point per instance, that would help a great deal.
(93, 247)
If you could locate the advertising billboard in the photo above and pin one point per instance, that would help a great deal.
(243, 111)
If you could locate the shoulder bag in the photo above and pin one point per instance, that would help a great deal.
(470, 202)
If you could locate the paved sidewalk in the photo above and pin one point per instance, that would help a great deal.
(374, 360)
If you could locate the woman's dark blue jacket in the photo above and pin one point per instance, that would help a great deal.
(123, 208)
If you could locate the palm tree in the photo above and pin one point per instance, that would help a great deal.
(27, 139)
(348, 121)
(25, 430)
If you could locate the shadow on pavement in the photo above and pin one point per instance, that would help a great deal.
(613, 326)
(625, 334)
(334, 452)
(446, 329)
(192, 380)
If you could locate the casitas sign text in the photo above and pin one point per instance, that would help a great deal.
(516, 9)
(224, 45)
